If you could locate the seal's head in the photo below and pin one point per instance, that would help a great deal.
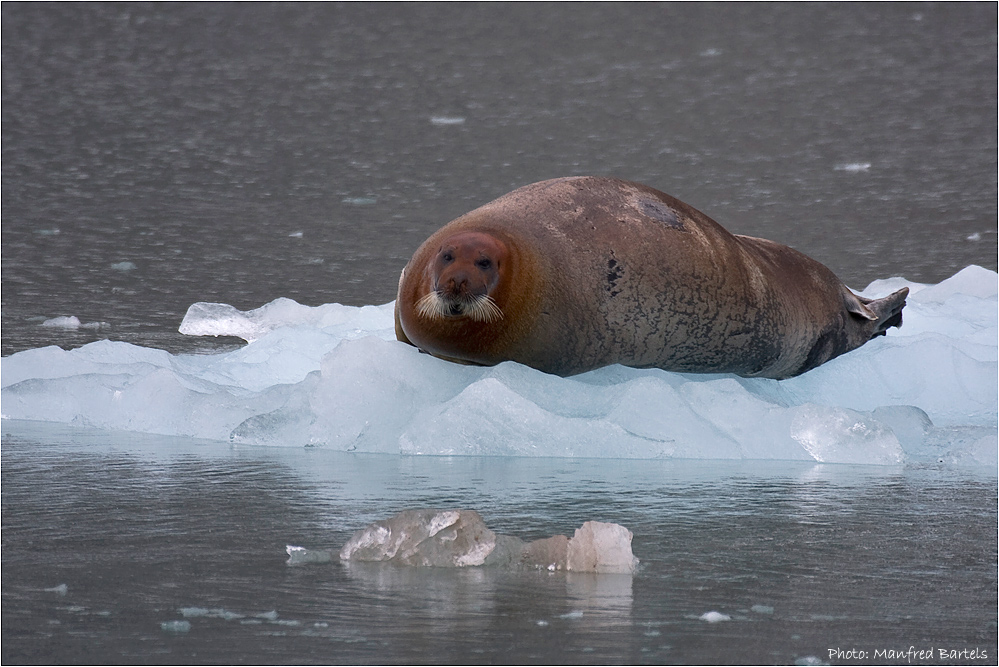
(463, 277)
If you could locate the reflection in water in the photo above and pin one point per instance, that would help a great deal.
(108, 536)
(605, 596)
(530, 614)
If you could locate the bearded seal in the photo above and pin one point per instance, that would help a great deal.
(572, 274)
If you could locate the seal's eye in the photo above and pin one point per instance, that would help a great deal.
(447, 256)
(483, 263)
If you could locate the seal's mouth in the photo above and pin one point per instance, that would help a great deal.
(477, 307)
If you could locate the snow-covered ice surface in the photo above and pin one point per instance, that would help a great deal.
(334, 376)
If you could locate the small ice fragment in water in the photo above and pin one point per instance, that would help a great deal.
(853, 166)
(430, 538)
(839, 435)
(201, 612)
(73, 322)
(447, 120)
(601, 547)
(715, 617)
(70, 322)
(572, 615)
(96, 326)
(176, 627)
(710, 53)
(124, 266)
(975, 237)
(301, 555)
(61, 589)
(359, 201)
(296, 235)
(267, 616)
(762, 609)
(194, 612)
(459, 538)
(809, 661)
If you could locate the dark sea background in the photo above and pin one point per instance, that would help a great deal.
(156, 155)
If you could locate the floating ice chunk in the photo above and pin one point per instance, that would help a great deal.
(601, 547)
(61, 589)
(853, 166)
(334, 376)
(810, 661)
(220, 319)
(202, 612)
(447, 120)
(176, 627)
(301, 555)
(838, 435)
(762, 609)
(459, 538)
(70, 322)
(429, 538)
(124, 266)
(715, 617)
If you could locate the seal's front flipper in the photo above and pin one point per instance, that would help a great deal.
(887, 310)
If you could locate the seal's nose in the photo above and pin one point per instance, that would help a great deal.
(457, 284)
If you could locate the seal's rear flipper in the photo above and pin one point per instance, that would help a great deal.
(888, 310)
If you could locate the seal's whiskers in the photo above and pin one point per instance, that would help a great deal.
(431, 307)
(480, 308)
(484, 309)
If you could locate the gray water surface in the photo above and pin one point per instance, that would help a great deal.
(239, 153)
(145, 530)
